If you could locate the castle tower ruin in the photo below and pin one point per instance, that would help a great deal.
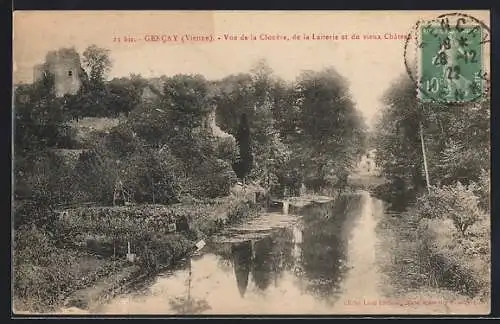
(64, 64)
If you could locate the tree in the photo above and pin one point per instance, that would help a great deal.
(149, 122)
(327, 129)
(177, 120)
(176, 115)
(262, 76)
(270, 153)
(285, 112)
(40, 184)
(456, 138)
(187, 98)
(458, 141)
(399, 152)
(97, 63)
(245, 162)
(234, 96)
(125, 94)
(41, 120)
(95, 98)
(456, 202)
(153, 176)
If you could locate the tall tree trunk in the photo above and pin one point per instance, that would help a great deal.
(417, 178)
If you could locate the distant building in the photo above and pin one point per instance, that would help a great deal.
(64, 64)
(367, 162)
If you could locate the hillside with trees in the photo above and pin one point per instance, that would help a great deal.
(163, 150)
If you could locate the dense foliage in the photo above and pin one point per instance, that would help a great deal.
(452, 217)
(286, 134)
(456, 138)
(307, 130)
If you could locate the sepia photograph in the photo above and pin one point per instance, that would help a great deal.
(251, 163)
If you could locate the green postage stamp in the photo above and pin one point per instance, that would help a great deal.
(451, 62)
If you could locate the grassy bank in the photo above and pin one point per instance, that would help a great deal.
(454, 261)
(440, 243)
(45, 274)
(83, 257)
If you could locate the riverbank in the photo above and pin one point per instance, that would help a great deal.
(351, 256)
(426, 265)
(439, 240)
(88, 266)
(85, 261)
(206, 226)
(124, 286)
(251, 267)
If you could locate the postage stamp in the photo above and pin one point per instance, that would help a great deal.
(450, 62)
(446, 59)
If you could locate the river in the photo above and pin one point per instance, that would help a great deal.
(320, 259)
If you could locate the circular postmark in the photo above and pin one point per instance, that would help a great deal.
(447, 58)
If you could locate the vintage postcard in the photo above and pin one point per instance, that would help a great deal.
(251, 163)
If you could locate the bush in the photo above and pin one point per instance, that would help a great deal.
(214, 178)
(220, 212)
(44, 180)
(122, 141)
(483, 190)
(454, 237)
(45, 175)
(156, 251)
(95, 175)
(41, 270)
(456, 202)
(143, 222)
(456, 262)
(148, 175)
(33, 212)
(152, 176)
(227, 149)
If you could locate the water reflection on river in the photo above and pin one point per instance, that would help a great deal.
(279, 264)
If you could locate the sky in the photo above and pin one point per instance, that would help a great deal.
(371, 66)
